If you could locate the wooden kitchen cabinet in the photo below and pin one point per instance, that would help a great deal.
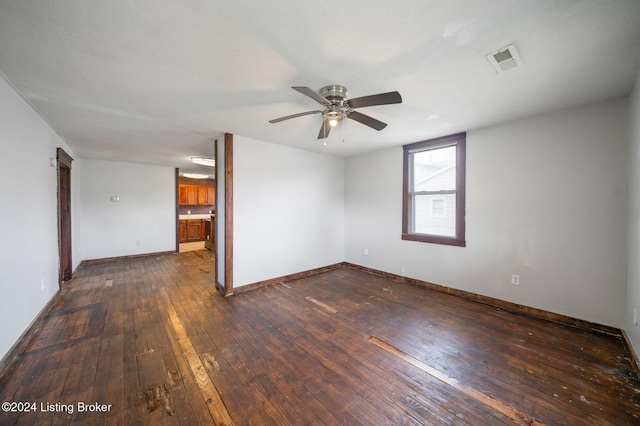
(182, 195)
(196, 195)
(184, 236)
(208, 234)
(194, 230)
(203, 230)
(192, 195)
(188, 195)
(202, 195)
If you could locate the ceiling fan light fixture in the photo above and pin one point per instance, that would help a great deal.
(204, 161)
(334, 116)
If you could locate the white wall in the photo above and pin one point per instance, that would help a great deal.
(546, 199)
(633, 229)
(288, 210)
(28, 215)
(143, 221)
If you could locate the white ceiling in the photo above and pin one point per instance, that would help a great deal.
(158, 81)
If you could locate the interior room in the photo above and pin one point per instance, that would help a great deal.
(405, 213)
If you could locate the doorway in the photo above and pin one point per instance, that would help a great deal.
(64, 217)
(196, 203)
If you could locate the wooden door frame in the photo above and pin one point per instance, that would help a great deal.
(65, 243)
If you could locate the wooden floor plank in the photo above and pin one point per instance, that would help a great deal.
(273, 360)
(375, 381)
(215, 405)
(190, 407)
(134, 404)
(299, 354)
(510, 412)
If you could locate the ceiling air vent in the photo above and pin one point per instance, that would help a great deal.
(505, 59)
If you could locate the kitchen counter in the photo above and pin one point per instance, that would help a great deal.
(194, 216)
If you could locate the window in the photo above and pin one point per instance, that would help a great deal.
(434, 191)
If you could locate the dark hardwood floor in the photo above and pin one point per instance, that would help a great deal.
(150, 341)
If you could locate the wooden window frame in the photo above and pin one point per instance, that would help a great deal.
(460, 141)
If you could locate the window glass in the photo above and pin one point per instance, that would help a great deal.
(437, 207)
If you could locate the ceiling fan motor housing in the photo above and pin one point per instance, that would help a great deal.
(338, 109)
(334, 93)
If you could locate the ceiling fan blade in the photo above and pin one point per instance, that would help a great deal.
(289, 117)
(372, 100)
(312, 94)
(324, 130)
(367, 121)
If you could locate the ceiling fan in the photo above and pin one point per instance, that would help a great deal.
(338, 107)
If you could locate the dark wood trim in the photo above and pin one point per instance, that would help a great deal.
(434, 239)
(461, 190)
(177, 204)
(24, 342)
(458, 139)
(131, 256)
(405, 192)
(63, 158)
(228, 213)
(288, 278)
(633, 356)
(65, 242)
(214, 221)
(502, 304)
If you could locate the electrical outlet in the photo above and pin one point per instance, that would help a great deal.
(41, 283)
(403, 271)
(515, 279)
(366, 251)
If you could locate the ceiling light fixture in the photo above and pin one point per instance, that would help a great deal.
(195, 176)
(204, 161)
(334, 117)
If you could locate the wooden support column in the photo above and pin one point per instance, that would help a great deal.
(228, 214)
(177, 206)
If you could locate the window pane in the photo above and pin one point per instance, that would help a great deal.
(427, 223)
(435, 169)
(437, 207)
